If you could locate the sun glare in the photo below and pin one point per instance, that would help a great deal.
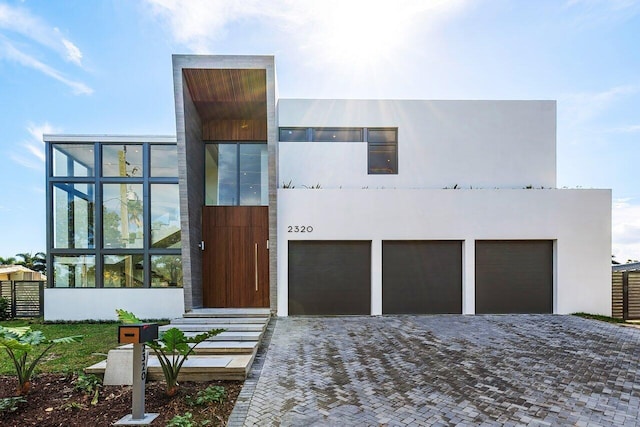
(360, 33)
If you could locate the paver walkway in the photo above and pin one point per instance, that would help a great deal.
(448, 370)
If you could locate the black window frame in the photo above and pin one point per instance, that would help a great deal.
(98, 251)
(391, 145)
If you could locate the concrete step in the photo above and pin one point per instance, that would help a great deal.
(217, 347)
(218, 320)
(231, 336)
(195, 368)
(228, 312)
(204, 327)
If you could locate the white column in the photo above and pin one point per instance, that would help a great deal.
(469, 277)
(376, 277)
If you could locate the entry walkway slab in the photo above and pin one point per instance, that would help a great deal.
(446, 370)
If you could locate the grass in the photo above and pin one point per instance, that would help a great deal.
(599, 317)
(66, 358)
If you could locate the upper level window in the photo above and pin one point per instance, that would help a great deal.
(122, 160)
(73, 160)
(383, 150)
(293, 134)
(337, 134)
(236, 174)
(164, 160)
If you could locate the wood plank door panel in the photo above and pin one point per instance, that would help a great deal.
(236, 258)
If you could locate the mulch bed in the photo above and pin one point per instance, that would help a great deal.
(53, 401)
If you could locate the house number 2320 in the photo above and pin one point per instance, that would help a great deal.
(299, 229)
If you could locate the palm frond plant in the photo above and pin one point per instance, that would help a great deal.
(172, 348)
(20, 343)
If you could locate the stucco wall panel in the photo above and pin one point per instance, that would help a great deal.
(577, 220)
(101, 304)
(507, 144)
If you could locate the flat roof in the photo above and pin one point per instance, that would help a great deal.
(108, 138)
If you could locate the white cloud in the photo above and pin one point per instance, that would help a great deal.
(23, 22)
(10, 52)
(327, 30)
(73, 53)
(626, 229)
(33, 156)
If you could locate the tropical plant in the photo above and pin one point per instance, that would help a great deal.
(172, 349)
(35, 262)
(19, 343)
(7, 261)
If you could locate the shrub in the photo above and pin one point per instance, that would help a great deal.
(215, 393)
(10, 404)
(89, 385)
(4, 309)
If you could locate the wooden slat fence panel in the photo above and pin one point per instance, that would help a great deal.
(5, 292)
(26, 297)
(616, 295)
(634, 294)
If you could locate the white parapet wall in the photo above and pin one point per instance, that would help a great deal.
(101, 304)
(577, 221)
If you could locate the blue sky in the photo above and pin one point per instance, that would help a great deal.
(104, 66)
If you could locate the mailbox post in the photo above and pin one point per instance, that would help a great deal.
(138, 334)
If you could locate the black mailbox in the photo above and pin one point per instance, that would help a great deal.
(137, 333)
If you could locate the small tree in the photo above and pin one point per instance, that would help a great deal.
(172, 349)
(19, 343)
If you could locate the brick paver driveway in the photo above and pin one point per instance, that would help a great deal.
(448, 370)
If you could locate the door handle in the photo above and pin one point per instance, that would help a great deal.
(255, 264)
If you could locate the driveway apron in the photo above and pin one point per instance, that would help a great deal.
(448, 370)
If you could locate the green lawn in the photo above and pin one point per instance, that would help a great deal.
(98, 338)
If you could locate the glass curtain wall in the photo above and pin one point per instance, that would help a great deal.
(133, 239)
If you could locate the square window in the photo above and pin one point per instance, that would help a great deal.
(74, 271)
(122, 160)
(383, 159)
(73, 160)
(123, 271)
(164, 161)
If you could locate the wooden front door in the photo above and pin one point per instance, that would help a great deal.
(236, 259)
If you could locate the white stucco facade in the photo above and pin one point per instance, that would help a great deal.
(479, 144)
(500, 156)
(578, 221)
(100, 304)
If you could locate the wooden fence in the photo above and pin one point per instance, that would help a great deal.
(26, 297)
(625, 295)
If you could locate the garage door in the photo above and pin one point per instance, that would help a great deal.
(514, 276)
(329, 277)
(421, 277)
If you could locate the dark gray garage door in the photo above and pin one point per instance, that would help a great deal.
(514, 276)
(421, 277)
(329, 277)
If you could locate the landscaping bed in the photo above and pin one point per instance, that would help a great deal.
(55, 401)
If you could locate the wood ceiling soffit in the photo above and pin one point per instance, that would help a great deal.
(222, 85)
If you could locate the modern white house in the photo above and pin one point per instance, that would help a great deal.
(321, 207)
